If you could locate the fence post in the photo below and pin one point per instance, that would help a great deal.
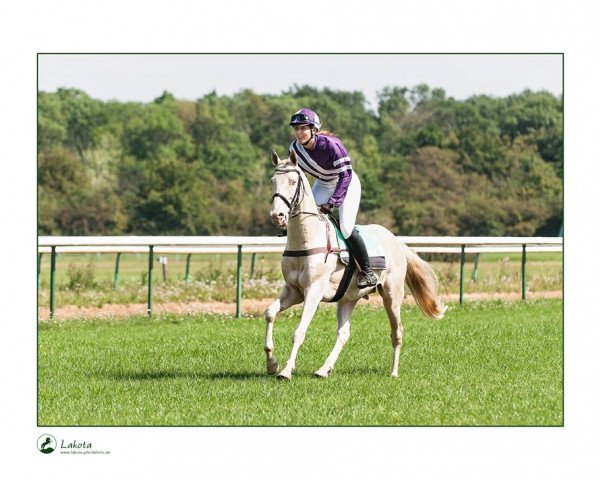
(187, 268)
(523, 274)
(238, 293)
(252, 265)
(116, 279)
(39, 268)
(462, 273)
(52, 280)
(164, 261)
(475, 265)
(150, 278)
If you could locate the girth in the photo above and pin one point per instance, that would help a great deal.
(310, 251)
(314, 251)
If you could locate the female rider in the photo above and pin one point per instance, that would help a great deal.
(323, 156)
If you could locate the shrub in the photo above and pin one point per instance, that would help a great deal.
(81, 277)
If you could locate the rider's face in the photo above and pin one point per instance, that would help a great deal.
(302, 133)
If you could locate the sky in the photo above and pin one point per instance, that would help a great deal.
(131, 77)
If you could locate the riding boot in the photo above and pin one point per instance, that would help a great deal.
(366, 277)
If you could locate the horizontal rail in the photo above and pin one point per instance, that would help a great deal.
(158, 241)
(280, 248)
(481, 240)
(489, 249)
(162, 250)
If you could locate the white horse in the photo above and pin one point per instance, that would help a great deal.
(313, 272)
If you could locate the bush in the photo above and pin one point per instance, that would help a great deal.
(81, 277)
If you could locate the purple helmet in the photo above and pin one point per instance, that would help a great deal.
(306, 117)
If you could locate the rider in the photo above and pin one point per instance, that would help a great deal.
(323, 155)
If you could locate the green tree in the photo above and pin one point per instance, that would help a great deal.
(157, 130)
(68, 204)
(52, 129)
(82, 116)
(428, 164)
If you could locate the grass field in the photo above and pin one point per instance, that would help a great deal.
(493, 363)
(87, 280)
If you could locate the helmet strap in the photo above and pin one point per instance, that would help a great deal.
(312, 135)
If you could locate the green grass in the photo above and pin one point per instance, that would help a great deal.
(494, 363)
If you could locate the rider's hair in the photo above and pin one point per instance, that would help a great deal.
(326, 132)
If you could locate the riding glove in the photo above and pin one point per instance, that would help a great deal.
(326, 208)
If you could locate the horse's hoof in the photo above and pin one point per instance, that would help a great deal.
(284, 375)
(272, 367)
(322, 372)
(394, 375)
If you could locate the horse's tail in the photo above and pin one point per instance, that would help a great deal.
(423, 284)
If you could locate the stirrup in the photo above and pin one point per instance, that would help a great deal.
(366, 279)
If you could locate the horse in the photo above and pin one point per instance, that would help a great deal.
(313, 271)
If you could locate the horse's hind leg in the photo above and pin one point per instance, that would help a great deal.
(344, 310)
(392, 294)
(288, 297)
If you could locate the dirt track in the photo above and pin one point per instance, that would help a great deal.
(249, 307)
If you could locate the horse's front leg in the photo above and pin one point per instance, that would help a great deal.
(288, 297)
(312, 297)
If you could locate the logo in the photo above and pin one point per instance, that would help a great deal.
(46, 443)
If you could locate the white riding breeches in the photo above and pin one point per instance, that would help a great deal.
(322, 192)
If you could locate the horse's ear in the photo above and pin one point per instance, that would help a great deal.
(293, 158)
(275, 158)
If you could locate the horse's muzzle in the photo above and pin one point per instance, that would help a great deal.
(279, 219)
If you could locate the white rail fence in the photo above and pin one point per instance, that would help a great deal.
(231, 244)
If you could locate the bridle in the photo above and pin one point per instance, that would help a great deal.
(296, 200)
(293, 205)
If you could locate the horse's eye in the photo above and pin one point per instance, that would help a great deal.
(292, 182)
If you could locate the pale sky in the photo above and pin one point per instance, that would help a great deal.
(190, 76)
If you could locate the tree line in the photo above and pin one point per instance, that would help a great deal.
(429, 164)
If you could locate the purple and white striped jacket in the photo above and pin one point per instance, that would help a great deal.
(329, 162)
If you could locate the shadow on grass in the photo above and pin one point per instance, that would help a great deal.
(170, 374)
(143, 376)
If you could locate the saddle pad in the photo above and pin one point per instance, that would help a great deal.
(377, 263)
(374, 248)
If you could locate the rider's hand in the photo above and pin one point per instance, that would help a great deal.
(326, 208)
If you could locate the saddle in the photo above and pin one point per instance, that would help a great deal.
(376, 257)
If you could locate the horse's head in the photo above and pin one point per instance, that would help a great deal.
(287, 184)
